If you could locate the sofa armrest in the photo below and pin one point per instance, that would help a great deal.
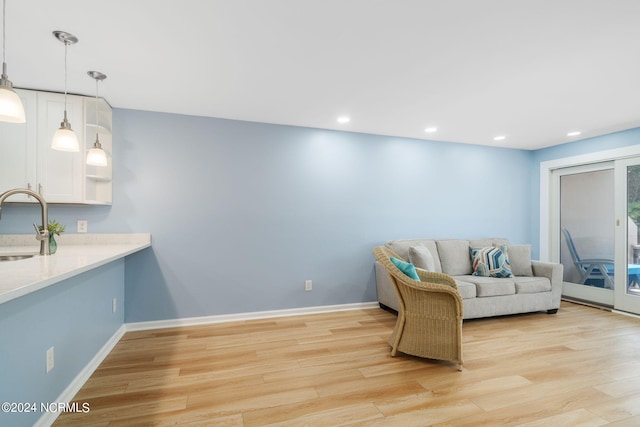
(552, 271)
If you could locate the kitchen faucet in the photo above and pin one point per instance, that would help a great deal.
(41, 235)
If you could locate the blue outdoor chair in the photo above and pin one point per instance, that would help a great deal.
(593, 268)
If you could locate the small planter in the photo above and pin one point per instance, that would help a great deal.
(55, 229)
(53, 245)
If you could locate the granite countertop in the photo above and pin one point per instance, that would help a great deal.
(76, 254)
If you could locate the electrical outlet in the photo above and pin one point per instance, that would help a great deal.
(50, 360)
(82, 225)
(114, 305)
(308, 285)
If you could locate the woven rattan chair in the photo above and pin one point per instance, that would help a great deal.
(429, 321)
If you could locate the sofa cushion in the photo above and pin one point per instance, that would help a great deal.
(466, 290)
(401, 247)
(406, 267)
(532, 285)
(422, 258)
(454, 257)
(490, 261)
(490, 286)
(520, 259)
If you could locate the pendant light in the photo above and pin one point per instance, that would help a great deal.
(65, 138)
(96, 156)
(11, 108)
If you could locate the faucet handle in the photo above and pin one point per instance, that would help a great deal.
(40, 235)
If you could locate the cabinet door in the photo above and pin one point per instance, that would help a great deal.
(18, 150)
(59, 173)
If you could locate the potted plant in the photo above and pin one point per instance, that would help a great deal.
(55, 229)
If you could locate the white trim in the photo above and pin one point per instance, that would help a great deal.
(206, 320)
(588, 293)
(74, 387)
(545, 172)
(624, 313)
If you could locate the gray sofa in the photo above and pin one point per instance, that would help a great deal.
(535, 285)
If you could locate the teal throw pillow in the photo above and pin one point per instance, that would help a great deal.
(406, 267)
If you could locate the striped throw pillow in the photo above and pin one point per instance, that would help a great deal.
(490, 262)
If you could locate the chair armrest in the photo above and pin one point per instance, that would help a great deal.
(596, 261)
(439, 278)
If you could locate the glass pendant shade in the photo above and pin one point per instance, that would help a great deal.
(97, 156)
(65, 139)
(11, 109)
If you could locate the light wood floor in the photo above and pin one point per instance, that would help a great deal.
(578, 367)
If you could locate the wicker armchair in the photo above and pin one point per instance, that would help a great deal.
(429, 321)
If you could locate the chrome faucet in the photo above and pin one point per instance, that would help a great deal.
(41, 235)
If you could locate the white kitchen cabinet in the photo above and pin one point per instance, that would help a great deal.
(59, 172)
(28, 161)
(18, 150)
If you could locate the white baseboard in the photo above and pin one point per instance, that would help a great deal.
(72, 389)
(205, 320)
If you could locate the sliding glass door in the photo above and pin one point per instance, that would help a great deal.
(627, 182)
(585, 232)
(595, 231)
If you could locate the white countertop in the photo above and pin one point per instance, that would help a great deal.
(77, 253)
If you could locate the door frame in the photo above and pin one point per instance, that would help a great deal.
(549, 248)
(547, 167)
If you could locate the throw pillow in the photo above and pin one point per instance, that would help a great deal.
(454, 257)
(422, 258)
(520, 260)
(406, 267)
(491, 261)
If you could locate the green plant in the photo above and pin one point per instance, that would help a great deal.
(54, 227)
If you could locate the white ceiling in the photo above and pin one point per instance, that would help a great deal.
(532, 70)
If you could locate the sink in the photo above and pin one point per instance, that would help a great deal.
(15, 257)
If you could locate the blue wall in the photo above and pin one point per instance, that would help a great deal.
(242, 213)
(75, 317)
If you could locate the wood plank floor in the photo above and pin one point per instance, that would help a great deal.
(580, 367)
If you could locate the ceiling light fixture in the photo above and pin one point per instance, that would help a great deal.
(65, 138)
(431, 129)
(344, 119)
(11, 108)
(499, 138)
(96, 156)
(576, 133)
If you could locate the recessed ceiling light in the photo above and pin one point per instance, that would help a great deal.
(499, 138)
(431, 129)
(576, 133)
(344, 119)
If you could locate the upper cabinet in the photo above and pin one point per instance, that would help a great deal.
(58, 173)
(28, 161)
(18, 150)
